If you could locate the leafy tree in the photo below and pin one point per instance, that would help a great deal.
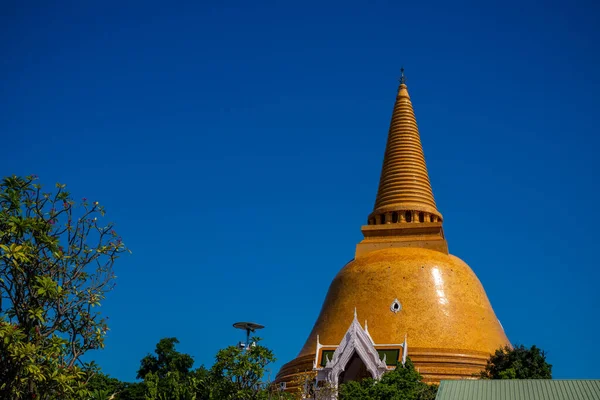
(56, 265)
(166, 360)
(167, 374)
(172, 386)
(103, 386)
(399, 384)
(132, 391)
(238, 373)
(517, 363)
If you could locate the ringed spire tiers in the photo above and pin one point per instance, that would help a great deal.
(404, 184)
(405, 213)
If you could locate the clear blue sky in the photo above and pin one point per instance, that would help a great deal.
(238, 145)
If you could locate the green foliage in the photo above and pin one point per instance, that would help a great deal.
(517, 363)
(166, 360)
(101, 395)
(173, 386)
(132, 391)
(167, 374)
(238, 373)
(399, 384)
(55, 268)
(101, 385)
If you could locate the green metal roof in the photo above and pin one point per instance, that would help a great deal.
(519, 389)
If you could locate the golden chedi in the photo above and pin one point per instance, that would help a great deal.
(403, 281)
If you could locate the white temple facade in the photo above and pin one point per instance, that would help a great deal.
(356, 357)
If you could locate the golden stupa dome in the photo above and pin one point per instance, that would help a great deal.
(442, 305)
(432, 297)
(403, 281)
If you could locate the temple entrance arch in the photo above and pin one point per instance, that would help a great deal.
(354, 359)
(356, 370)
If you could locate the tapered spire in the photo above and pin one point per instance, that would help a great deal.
(405, 214)
(404, 193)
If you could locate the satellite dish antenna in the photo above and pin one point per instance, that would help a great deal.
(248, 327)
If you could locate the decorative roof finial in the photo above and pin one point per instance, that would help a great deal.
(402, 77)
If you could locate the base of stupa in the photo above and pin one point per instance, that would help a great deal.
(433, 364)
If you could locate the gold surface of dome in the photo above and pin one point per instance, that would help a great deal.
(450, 323)
(443, 302)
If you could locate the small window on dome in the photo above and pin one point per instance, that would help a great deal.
(383, 218)
(408, 216)
(394, 217)
(421, 217)
(396, 306)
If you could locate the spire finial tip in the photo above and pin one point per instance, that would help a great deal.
(402, 77)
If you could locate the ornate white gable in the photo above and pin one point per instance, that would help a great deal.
(356, 341)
